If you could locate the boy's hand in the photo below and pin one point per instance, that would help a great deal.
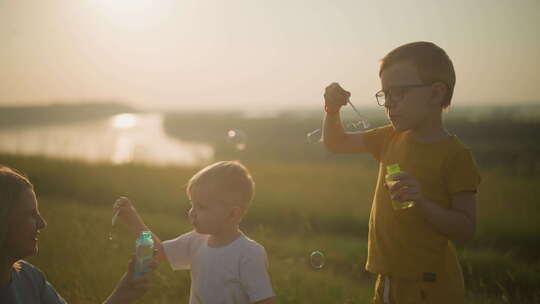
(335, 97)
(128, 214)
(407, 188)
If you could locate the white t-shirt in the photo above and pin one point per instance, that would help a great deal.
(233, 274)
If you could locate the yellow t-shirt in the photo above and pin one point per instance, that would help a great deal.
(401, 242)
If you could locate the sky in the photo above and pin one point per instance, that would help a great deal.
(256, 54)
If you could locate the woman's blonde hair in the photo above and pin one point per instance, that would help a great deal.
(12, 185)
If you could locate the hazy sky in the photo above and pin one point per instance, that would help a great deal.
(255, 53)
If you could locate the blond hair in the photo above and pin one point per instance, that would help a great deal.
(431, 61)
(228, 180)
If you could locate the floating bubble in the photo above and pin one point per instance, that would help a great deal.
(112, 239)
(361, 124)
(317, 259)
(364, 122)
(115, 216)
(113, 242)
(358, 125)
(237, 138)
(314, 137)
(113, 222)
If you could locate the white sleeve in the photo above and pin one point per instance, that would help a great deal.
(254, 275)
(178, 251)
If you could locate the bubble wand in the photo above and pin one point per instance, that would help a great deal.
(317, 132)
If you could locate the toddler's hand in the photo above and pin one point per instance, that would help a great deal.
(127, 213)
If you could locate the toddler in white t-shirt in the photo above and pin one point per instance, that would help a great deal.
(226, 266)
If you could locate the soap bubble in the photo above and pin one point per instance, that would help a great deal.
(111, 232)
(365, 124)
(359, 125)
(237, 139)
(115, 217)
(317, 259)
(314, 137)
(362, 120)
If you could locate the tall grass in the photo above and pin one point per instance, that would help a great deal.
(299, 207)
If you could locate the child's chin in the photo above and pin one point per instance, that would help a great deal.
(200, 231)
(399, 128)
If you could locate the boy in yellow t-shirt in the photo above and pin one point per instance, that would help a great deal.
(411, 249)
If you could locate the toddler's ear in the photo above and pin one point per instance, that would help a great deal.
(237, 212)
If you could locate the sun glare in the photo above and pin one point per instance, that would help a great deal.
(135, 15)
(128, 6)
(124, 121)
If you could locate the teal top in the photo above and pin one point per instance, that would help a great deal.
(29, 286)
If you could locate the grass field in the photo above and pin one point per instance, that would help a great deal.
(292, 215)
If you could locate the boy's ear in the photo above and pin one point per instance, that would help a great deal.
(439, 92)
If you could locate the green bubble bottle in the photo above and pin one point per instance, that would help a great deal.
(144, 250)
(390, 171)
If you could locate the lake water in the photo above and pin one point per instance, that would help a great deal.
(122, 138)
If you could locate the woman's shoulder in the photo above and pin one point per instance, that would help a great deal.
(26, 264)
(28, 278)
(28, 270)
(34, 283)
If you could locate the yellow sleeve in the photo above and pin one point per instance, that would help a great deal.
(375, 140)
(462, 172)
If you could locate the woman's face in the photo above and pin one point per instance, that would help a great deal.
(24, 225)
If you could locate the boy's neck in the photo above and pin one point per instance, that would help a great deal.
(432, 130)
(224, 238)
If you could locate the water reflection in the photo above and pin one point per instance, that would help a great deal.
(123, 138)
(124, 121)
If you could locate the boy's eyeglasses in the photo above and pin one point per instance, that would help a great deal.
(395, 93)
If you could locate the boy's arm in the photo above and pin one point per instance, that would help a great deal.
(458, 222)
(335, 139)
(129, 215)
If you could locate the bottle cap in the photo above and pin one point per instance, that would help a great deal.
(146, 235)
(393, 169)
